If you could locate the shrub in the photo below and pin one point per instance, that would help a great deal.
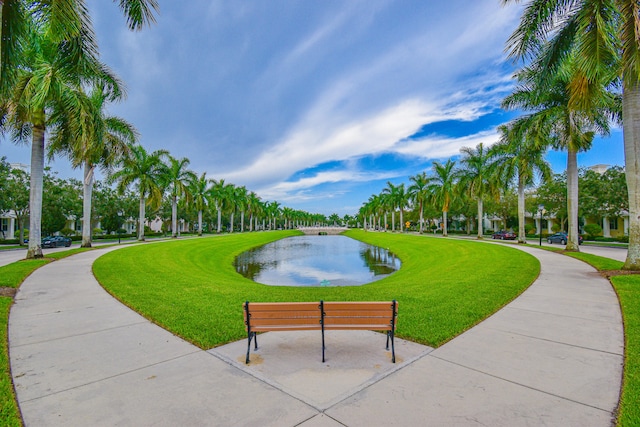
(97, 231)
(592, 230)
(529, 229)
(623, 239)
(67, 232)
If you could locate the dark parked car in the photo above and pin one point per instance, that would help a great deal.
(504, 235)
(56, 241)
(561, 238)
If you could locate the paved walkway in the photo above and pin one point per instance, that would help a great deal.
(552, 357)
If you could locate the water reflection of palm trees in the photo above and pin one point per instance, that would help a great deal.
(379, 261)
(251, 270)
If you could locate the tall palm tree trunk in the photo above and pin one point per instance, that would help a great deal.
(200, 222)
(141, 217)
(444, 226)
(393, 220)
(401, 220)
(421, 217)
(87, 191)
(241, 221)
(522, 238)
(174, 217)
(631, 130)
(219, 218)
(572, 199)
(35, 195)
(231, 223)
(480, 215)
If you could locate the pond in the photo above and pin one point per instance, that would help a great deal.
(316, 261)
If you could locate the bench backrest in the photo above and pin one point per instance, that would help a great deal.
(289, 316)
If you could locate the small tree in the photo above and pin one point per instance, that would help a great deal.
(592, 231)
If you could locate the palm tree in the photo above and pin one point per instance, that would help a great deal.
(601, 39)
(273, 210)
(178, 179)
(241, 201)
(554, 123)
(443, 188)
(147, 172)
(390, 198)
(106, 141)
(66, 21)
(199, 189)
(518, 156)
(477, 177)
(254, 209)
(41, 102)
(419, 193)
(220, 194)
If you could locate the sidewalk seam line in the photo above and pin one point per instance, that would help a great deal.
(82, 334)
(522, 385)
(556, 342)
(111, 376)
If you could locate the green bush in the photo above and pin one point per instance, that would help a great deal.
(10, 241)
(623, 239)
(67, 232)
(592, 230)
(529, 229)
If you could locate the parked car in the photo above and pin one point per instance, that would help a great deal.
(561, 238)
(504, 235)
(56, 241)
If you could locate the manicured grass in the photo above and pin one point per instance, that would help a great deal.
(9, 412)
(598, 262)
(628, 289)
(7, 247)
(191, 288)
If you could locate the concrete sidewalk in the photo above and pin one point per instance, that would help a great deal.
(552, 357)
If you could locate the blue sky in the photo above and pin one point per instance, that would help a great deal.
(315, 104)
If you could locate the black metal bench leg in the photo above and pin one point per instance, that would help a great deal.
(252, 335)
(393, 349)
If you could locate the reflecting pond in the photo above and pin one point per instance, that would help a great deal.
(316, 261)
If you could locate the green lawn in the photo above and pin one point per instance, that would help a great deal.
(9, 412)
(628, 289)
(190, 287)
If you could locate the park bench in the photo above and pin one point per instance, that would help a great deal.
(321, 316)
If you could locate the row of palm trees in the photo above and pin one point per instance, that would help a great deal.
(157, 174)
(482, 173)
(53, 85)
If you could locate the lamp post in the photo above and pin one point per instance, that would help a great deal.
(541, 210)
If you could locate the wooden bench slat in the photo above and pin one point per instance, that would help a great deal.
(255, 307)
(271, 328)
(349, 327)
(357, 305)
(292, 322)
